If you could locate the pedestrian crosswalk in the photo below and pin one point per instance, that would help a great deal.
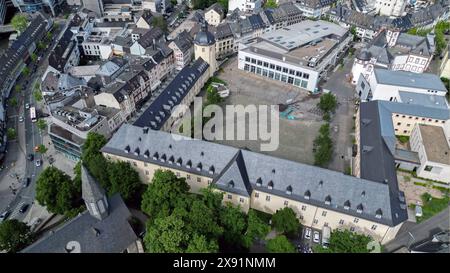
(16, 210)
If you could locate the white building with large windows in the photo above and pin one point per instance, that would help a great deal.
(300, 54)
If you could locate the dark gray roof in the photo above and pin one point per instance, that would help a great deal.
(91, 190)
(222, 31)
(159, 111)
(204, 37)
(62, 51)
(110, 235)
(154, 35)
(364, 55)
(409, 79)
(253, 171)
(183, 41)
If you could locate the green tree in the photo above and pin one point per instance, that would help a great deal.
(286, 221)
(26, 71)
(256, 229)
(345, 241)
(18, 88)
(19, 22)
(159, 21)
(327, 103)
(33, 57)
(42, 149)
(13, 102)
(200, 244)
(233, 221)
(270, 4)
(40, 45)
(203, 219)
(37, 95)
(41, 124)
(124, 179)
(14, 235)
(166, 235)
(324, 146)
(56, 191)
(11, 133)
(94, 160)
(280, 244)
(212, 96)
(164, 193)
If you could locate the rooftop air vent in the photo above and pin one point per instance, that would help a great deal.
(307, 195)
(211, 169)
(289, 189)
(359, 208)
(347, 205)
(328, 200)
(259, 182)
(270, 185)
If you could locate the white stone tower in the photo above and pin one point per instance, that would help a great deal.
(205, 47)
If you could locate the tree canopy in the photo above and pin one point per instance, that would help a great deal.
(323, 146)
(124, 179)
(256, 229)
(270, 4)
(56, 191)
(14, 235)
(234, 223)
(285, 221)
(19, 22)
(346, 241)
(327, 102)
(280, 244)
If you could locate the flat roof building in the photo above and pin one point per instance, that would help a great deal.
(300, 54)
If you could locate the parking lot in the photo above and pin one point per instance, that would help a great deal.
(305, 244)
(295, 136)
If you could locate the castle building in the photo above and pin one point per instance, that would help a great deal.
(205, 47)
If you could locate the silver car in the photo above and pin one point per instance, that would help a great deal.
(308, 233)
(316, 237)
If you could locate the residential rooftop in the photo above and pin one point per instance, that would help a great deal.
(435, 143)
(409, 79)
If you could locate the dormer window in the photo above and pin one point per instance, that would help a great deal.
(179, 161)
(347, 205)
(189, 164)
(163, 158)
(171, 159)
(146, 154)
(307, 195)
(273, 170)
(363, 193)
(211, 169)
(328, 200)
(320, 184)
(270, 185)
(259, 182)
(137, 151)
(230, 184)
(155, 156)
(379, 213)
(127, 149)
(199, 166)
(359, 208)
(289, 189)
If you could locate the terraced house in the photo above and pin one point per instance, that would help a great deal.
(320, 197)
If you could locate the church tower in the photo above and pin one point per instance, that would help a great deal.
(93, 195)
(205, 47)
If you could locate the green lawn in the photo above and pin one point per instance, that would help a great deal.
(432, 206)
(403, 139)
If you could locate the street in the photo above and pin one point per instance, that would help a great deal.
(13, 195)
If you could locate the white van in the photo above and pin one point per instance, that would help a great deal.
(326, 234)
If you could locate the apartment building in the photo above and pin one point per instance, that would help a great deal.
(246, 6)
(180, 91)
(225, 42)
(314, 8)
(301, 54)
(394, 51)
(402, 86)
(320, 197)
(183, 50)
(389, 7)
(214, 14)
(432, 143)
(65, 54)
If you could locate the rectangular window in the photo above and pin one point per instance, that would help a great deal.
(266, 64)
(356, 220)
(146, 172)
(264, 72)
(247, 59)
(286, 202)
(292, 72)
(303, 207)
(324, 213)
(188, 177)
(278, 68)
(428, 168)
(315, 221)
(352, 229)
(241, 200)
(271, 74)
(272, 66)
(230, 196)
(297, 82)
(199, 179)
(283, 78)
(277, 76)
(304, 84)
(285, 70)
(246, 67)
(341, 222)
(256, 194)
(259, 62)
(258, 70)
(298, 73)
(268, 198)
(290, 80)
(305, 76)
(374, 227)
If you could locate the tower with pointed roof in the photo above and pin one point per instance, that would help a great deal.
(94, 195)
(205, 47)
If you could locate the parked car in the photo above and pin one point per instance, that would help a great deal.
(27, 106)
(24, 208)
(4, 215)
(316, 237)
(326, 235)
(20, 119)
(26, 182)
(308, 233)
(38, 163)
(30, 157)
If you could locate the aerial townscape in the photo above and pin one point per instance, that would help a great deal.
(224, 126)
